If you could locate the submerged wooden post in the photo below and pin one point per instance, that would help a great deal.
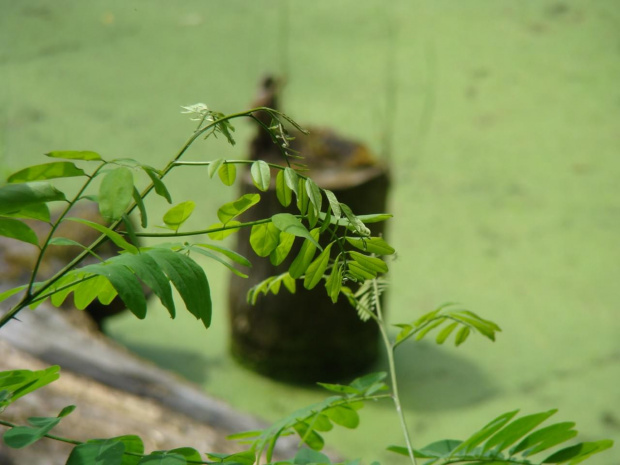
(304, 337)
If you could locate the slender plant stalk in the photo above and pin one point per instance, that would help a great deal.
(392, 367)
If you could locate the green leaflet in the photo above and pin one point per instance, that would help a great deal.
(261, 175)
(160, 187)
(372, 264)
(224, 231)
(227, 173)
(333, 204)
(234, 256)
(302, 196)
(483, 434)
(333, 284)
(279, 254)
(18, 383)
(189, 453)
(112, 235)
(374, 245)
(87, 291)
(283, 192)
(189, 279)
(271, 284)
(264, 238)
(291, 224)
(148, 270)
(305, 256)
(37, 211)
(19, 437)
(315, 270)
(60, 169)
(354, 222)
(140, 203)
(314, 195)
(15, 197)
(178, 215)
(163, 458)
(98, 452)
(75, 155)
(214, 166)
(217, 258)
(291, 179)
(115, 193)
(241, 458)
(545, 438)
(125, 283)
(309, 436)
(16, 229)
(231, 210)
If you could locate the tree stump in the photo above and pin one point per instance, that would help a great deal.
(304, 337)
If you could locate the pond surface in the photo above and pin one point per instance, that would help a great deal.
(504, 120)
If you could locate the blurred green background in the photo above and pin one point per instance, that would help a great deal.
(504, 118)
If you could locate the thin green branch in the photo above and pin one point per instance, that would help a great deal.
(392, 368)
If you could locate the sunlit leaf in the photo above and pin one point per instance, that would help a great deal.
(231, 210)
(227, 173)
(291, 224)
(75, 155)
(36, 211)
(279, 254)
(261, 175)
(264, 238)
(178, 214)
(224, 231)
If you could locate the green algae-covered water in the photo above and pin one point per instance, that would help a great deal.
(505, 126)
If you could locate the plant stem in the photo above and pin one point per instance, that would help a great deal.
(392, 368)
